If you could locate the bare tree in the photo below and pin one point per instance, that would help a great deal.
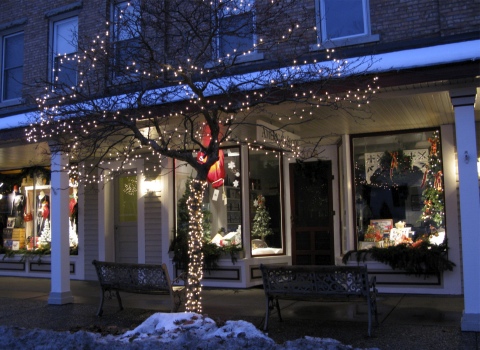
(164, 73)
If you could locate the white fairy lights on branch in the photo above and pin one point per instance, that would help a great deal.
(165, 117)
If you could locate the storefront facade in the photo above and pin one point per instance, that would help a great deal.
(406, 169)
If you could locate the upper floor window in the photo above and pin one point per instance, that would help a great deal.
(126, 33)
(65, 34)
(12, 66)
(236, 27)
(344, 22)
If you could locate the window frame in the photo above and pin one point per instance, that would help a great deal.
(3, 81)
(412, 206)
(229, 179)
(55, 55)
(324, 42)
(117, 32)
(238, 56)
(253, 189)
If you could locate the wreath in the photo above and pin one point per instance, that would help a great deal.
(396, 168)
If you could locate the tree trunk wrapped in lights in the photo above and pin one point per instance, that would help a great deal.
(195, 267)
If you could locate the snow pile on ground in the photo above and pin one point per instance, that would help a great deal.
(167, 331)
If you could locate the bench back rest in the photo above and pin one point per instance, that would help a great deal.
(145, 277)
(315, 280)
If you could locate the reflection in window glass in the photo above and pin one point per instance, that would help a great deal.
(64, 52)
(398, 189)
(337, 22)
(236, 27)
(221, 206)
(12, 66)
(265, 203)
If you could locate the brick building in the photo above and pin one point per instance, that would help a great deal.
(426, 57)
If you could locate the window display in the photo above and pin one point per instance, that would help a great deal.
(398, 189)
(265, 202)
(222, 204)
(25, 211)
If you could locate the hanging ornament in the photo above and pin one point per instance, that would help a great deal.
(394, 163)
(437, 184)
(433, 148)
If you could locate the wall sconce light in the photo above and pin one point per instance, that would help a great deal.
(152, 186)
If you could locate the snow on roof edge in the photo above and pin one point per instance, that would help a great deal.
(397, 60)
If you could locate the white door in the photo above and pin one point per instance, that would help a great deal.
(126, 233)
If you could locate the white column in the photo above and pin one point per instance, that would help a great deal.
(463, 101)
(59, 213)
(349, 226)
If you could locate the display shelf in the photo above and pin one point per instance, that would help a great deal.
(234, 208)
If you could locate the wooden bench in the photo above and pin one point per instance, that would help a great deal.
(136, 278)
(318, 283)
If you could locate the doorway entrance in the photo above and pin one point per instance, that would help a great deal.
(126, 237)
(312, 213)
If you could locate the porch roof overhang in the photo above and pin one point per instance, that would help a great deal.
(414, 94)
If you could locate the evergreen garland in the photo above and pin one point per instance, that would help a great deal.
(424, 259)
(433, 209)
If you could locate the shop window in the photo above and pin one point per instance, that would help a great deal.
(236, 28)
(398, 189)
(26, 216)
(126, 35)
(64, 70)
(265, 202)
(222, 205)
(12, 66)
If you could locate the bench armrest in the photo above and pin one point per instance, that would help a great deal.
(180, 279)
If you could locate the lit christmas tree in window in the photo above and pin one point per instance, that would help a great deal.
(46, 237)
(261, 221)
(433, 210)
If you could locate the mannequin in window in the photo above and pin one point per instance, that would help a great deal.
(73, 206)
(17, 206)
(43, 211)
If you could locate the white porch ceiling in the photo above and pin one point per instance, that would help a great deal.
(400, 108)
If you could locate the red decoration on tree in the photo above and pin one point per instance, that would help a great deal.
(217, 170)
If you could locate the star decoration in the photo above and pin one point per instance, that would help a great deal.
(231, 165)
(237, 174)
(255, 203)
(235, 183)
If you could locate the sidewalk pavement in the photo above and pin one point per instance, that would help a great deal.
(406, 321)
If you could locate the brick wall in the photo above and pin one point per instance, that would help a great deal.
(403, 20)
(398, 22)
